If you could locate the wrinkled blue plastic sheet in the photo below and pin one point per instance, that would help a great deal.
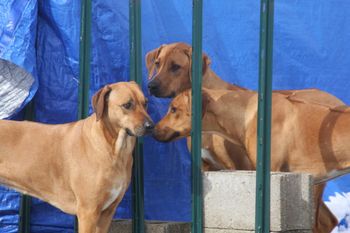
(18, 21)
(16, 85)
(9, 207)
(311, 49)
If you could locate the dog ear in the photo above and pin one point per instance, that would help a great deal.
(188, 99)
(151, 56)
(99, 101)
(205, 62)
(205, 101)
(188, 52)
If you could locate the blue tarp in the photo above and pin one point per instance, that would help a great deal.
(311, 49)
(18, 22)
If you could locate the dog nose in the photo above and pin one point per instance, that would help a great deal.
(153, 86)
(149, 125)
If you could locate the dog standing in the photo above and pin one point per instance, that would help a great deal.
(314, 143)
(84, 167)
(169, 68)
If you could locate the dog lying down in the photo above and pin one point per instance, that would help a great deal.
(306, 137)
(83, 167)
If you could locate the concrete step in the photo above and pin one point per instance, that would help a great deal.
(124, 226)
(211, 230)
(229, 202)
(229, 205)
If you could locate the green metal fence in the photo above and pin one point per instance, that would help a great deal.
(25, 203)
(264, 118)
(196, 135)
(136, 75)
(262, 218)
(262, 207)
(84, 65)
(264, 112)
(84, 58)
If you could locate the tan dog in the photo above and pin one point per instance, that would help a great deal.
(169, 74)
(84, 167)
(314, 143)
(169, 68)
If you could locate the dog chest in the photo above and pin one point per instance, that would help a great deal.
(208, 157)
(114, 193)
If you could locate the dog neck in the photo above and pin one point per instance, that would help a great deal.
(227, 108)
(110, 132)
(102, 132)
(212, 81)
(333, 138)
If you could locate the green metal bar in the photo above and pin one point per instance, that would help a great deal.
(24, 214)
(29, 112)
(84, 58)
(138, 225)
(196, 135)
(84, 65)
(262, 208)
(25, 204)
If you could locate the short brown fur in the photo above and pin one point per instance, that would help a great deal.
(227, 154)
(83, 167)
(301, 142)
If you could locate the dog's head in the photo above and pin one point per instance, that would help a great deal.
(169, 69)
(176, 123)
(123, 106)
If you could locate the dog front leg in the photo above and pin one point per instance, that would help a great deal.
(87, 220)
(105, 219)
(325, 221)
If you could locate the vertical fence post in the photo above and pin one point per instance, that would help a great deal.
(262, 208)
(196, 135)
(84, 65)
(138, 225)
(24, 214)
(84, 58)
(25, 204)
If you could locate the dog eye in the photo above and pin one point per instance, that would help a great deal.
(173, 110)
(175, 67)
(127, 105)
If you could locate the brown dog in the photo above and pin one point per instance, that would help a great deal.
(170, 74)
(84, 167)
(169, 68)
(301, 142)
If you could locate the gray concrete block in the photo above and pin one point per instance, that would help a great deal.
(120, 226)
(211, 230)
(124, 226)
(229, 201)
